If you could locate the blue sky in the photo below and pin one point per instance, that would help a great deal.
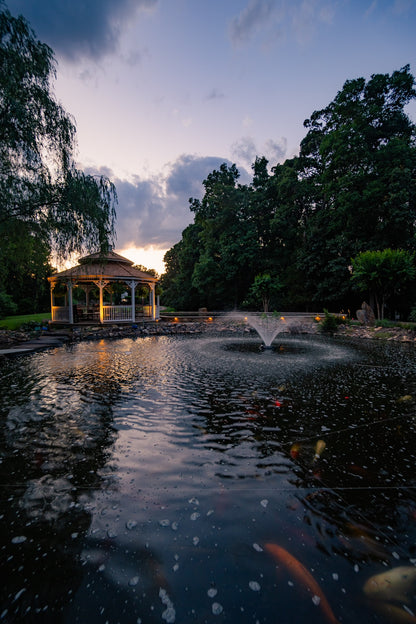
(164, 91)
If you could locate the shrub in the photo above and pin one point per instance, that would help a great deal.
(386, 323)
(330, 322)
(7, 305)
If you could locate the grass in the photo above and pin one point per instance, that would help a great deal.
(15, 322)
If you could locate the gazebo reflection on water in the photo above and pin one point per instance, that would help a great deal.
(103, 288)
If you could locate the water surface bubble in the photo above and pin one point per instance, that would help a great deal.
(19, 539)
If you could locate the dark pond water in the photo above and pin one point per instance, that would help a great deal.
(145, 481)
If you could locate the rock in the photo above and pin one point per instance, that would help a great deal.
(361, 316)
(366, 314)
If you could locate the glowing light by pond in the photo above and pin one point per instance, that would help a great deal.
(317, 318)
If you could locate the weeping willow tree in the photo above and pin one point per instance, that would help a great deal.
(46, 203)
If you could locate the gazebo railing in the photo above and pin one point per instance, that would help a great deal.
(111, 314)
(60, 314)
(117, 313)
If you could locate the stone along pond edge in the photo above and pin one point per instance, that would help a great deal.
(18, 342)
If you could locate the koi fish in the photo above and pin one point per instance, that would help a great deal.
(295, 450)
(393, 612)
(298, 570)
(319, 449)
(358, 471)
(407, 398)
(364, 546)
(397, 585)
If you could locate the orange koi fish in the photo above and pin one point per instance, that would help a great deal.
(319, 449)
(295, 450)
(298, 571)
(395, 614)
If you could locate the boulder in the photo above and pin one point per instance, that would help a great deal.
(366, 314)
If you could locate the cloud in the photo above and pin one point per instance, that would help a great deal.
(77, 29)
(245, 150)
(187, 173)
(274, 20)
(275, 151)
(215, 94)
(255, 15)
(155, 211)
(403, 6)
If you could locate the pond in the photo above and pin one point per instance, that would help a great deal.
(201, 479)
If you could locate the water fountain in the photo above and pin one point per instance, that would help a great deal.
(268, 326)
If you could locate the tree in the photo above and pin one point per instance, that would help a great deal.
(141, 267)
(264, 287)
(352, 189)
(358, 161)
(383, 274)
(24, 269)
(229, 248)
(42, 193)
(287, 231)
(180, 260)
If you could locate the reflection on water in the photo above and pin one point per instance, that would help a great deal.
(142, 479)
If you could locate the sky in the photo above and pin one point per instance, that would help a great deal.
(164, 91)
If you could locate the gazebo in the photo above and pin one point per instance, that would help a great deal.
(85, 292)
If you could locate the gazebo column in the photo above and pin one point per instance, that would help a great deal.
(87, 289)
(132, 284)
(152, 300)
(70, 304)
(52, 285)
(101, 285)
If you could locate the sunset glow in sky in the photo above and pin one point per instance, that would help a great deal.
(164, 91)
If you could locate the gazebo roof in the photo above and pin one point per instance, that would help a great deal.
(108, 266)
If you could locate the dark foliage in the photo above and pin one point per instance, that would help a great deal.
(351, 189)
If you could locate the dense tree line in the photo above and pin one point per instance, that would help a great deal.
(46, 203)
(351, 189)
